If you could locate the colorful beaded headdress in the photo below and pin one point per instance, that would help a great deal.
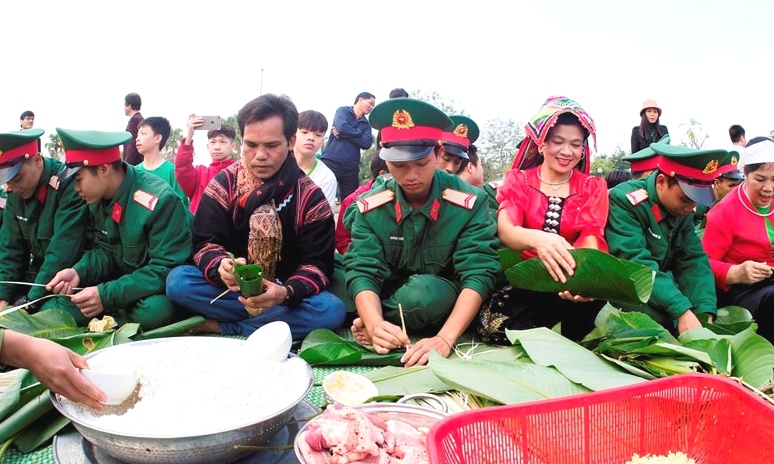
(537, 129)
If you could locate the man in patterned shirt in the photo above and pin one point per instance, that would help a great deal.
(264, 210)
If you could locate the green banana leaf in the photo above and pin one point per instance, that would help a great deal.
(52, 323)
(40, 432)
(88, 342)
(719, 350)
(753, 357)
(322, 347)
(547, 348)
(663, 366)
(171, 330)
(674, 350)
(125, 333)
(11, 390)
(401, 381)
(503, 382)
(629, 367)
(27, 414)
(730, 320)
(597, 275)
(625, 330)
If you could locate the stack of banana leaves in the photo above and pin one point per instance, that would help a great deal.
(28, 419)
(625, 347)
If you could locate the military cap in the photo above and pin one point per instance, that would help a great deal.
(16, 147)
(730, 170)
(90, 148)
(458, 137)
(694, 170)
(645, 159)
(409, 128)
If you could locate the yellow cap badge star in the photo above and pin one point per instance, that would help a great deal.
(711, 167)
(401, 119)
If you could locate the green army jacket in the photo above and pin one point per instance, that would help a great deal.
(139, 236)
(639, 229)
(452, 236)
(41, 235)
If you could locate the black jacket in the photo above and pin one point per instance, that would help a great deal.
(638, 143)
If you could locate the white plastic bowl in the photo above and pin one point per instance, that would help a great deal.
(271, 342)
(117, 384)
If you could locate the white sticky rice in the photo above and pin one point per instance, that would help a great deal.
(195, 387)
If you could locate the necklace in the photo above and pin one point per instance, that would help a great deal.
(554, 185)
(743, 186)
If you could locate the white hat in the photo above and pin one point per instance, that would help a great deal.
(759, 150)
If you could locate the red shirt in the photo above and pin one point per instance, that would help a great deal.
(194, 179)
(343, 238)
(734, 235)
(584, 212)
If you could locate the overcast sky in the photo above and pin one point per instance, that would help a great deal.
(72, 62)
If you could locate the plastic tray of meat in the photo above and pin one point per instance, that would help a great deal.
(375, 430)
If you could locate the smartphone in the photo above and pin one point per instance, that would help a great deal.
(210, 123)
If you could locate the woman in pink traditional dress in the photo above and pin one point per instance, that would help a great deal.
(549, 204)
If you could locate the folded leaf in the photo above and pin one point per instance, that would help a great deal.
(171, 330)
(322, 347)
(547, 348)
(597, 275)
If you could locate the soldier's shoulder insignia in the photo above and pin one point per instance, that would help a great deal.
(3, 201)
(54, 182)
(146, 199)
(459, 198)
(638, 196)
(374, 201)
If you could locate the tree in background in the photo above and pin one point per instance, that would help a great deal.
(497, 146)
(173, 142)
(54, 147)
(603, 163)
(695, 133)
(232, 121)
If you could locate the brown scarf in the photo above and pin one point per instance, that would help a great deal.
(260, 199)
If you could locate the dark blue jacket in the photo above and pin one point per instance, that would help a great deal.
(354, 135)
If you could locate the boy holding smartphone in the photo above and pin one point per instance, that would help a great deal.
(194, 179)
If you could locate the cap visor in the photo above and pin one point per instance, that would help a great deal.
(69, 172)
(700, 194)
(404, 153)
(7, 174)
(736, 175)
(456, 151)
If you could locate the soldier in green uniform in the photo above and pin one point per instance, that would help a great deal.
(140, 234)
(423, 242)
(45, 221)
(456, 140)
(728, 177)
(651, 223)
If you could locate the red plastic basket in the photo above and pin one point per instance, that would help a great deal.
(710, 418)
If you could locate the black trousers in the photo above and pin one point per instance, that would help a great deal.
(347, 177)
(757, 298)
